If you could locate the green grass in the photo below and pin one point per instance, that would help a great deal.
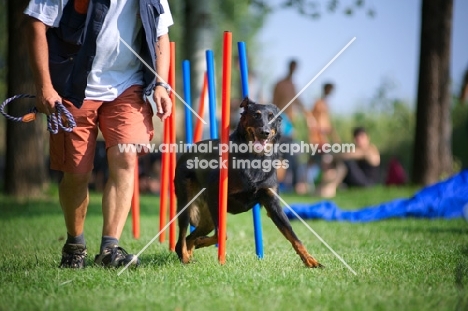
(406, 264)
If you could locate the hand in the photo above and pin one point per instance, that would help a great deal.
(45, 100)
(163, 103)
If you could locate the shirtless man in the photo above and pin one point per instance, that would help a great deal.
(284, 91)
(320, 127)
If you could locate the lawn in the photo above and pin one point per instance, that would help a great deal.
(409, 264)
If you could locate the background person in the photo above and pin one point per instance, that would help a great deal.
(321, 131)
(319, 121)
(283, 92)
(362, 165)
(108, 94)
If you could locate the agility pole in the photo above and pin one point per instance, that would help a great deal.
(257, 220)
(210, 71)
(172, 197)
(223, 171)
(198, 133)
(188, 100)
(188, 105)
(164, 182)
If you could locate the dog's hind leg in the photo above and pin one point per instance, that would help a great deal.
(279, 218)
(204, 225)
(208, 216)
(205, 241)
(184, 195)
(181, 246)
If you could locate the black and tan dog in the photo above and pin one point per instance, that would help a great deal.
(247, 186)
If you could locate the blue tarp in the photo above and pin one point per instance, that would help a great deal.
(445, 199)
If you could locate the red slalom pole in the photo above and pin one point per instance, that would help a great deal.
(164, 183)
(197, 135)
(172, 154)
(136, 202)
(224, 161)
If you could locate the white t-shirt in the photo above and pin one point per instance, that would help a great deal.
(115, 67)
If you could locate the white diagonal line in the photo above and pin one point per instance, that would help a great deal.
(159, 233)
(156, 74)
(66, 282)
(313, 79)
(312, 230)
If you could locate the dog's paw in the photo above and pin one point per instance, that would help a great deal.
(311, 262)
(185, 260)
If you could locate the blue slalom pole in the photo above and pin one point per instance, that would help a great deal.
(211, 78)
(210, 72)
(188, 101)
(257, 221)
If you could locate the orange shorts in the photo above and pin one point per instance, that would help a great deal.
(125, 120)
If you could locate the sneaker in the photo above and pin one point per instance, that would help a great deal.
(115, 256)
(73, 256)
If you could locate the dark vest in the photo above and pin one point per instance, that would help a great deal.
(72, 46)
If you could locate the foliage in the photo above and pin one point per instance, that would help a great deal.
(406, 264)
(244, 22)
(317, 8)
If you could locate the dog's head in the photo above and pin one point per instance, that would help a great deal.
(260, 124)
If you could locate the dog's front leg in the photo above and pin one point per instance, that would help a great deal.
(279, 218)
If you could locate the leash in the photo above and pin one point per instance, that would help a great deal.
(54, 121)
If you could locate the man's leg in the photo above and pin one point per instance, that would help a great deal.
(73, 196)
(117, 197)
(74, 199)
(116, 203)
(73, 153)
(126, 120)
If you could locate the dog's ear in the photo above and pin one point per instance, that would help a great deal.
(245, 103)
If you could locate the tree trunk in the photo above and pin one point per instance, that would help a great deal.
(432, 156)
(198, 37)
(25, 172)
(445, 125)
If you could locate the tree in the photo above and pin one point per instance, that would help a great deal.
(199, 31)
(432, 155)
(25, 173)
